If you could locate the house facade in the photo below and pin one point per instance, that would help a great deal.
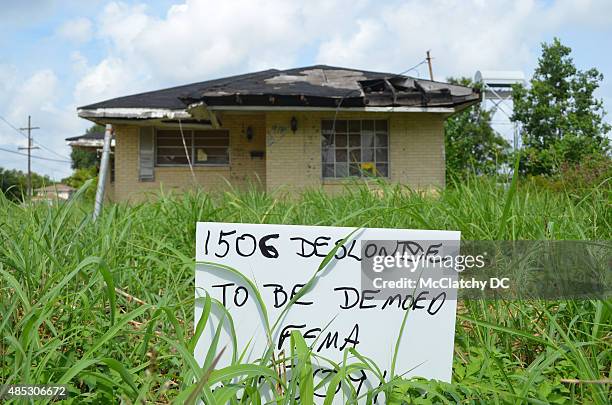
(53, 193)
(282, 131)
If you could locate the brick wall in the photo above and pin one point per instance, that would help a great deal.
(243, 170)
(416, 150)
(292, 161)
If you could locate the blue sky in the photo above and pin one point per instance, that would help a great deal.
(57, 55)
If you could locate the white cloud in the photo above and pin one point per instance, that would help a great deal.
(463, 36)
(200, 39)
(37, 96)
(36, 93)
(111, 77)
(133, 48)
(78, 30)
(79, 63)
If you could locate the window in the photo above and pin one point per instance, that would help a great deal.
(355, 148)
(208, 147)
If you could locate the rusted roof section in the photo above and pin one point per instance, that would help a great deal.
(313, 86)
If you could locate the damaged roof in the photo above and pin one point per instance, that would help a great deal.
(89, 136)
(313, 86)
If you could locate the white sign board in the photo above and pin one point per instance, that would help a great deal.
(334, 315)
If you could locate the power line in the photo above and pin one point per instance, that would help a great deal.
(412, 68)
(35, 157)
(35, 142)
(14, 127)
(50, 150)
(400, 74)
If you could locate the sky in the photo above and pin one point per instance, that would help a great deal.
(58, 55)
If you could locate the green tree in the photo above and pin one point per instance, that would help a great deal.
(80, 176)
(472, 146)
(83, 159)
(95, 128)
(13, 183)
(562, 121)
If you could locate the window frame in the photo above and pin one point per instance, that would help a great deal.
(361, 148)
(192, 148)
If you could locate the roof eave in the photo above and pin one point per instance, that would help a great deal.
(133, 113)
(144, 113)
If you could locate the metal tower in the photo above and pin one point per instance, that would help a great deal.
(497, 97)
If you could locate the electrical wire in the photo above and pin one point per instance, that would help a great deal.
(195, 181)
(35, 157)
(26, 137)
(379, 81)
(354, 90)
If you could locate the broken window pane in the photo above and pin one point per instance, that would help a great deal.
(359, 148)
(328, 170)
(327, 155)
(367, 139)
(381, 139)
(328, 140)
(341, 155)
(367, 155)
(341, 169)
(382, 169)
(382, 155)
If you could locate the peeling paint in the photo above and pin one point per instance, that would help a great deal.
(139, 113)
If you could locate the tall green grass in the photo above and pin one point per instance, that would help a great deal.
(107, 307)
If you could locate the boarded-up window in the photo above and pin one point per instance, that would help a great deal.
(204, 147)
(146, 153)
(355, 148)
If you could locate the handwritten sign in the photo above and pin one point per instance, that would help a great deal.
(335, 315)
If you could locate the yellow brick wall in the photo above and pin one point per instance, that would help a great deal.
(416, 150)
(242, 171)
(292, 160)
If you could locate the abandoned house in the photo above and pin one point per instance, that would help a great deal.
(318, 126)
(90, 141)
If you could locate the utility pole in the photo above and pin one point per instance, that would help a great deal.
(29, 149)
(429, 64)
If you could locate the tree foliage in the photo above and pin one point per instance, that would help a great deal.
(83, 159)
(95, 128)
(562, 121)
(80, 176)
(472, 146)
(13, 183)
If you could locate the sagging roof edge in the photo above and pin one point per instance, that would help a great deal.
(133, 113)
(157, 113)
